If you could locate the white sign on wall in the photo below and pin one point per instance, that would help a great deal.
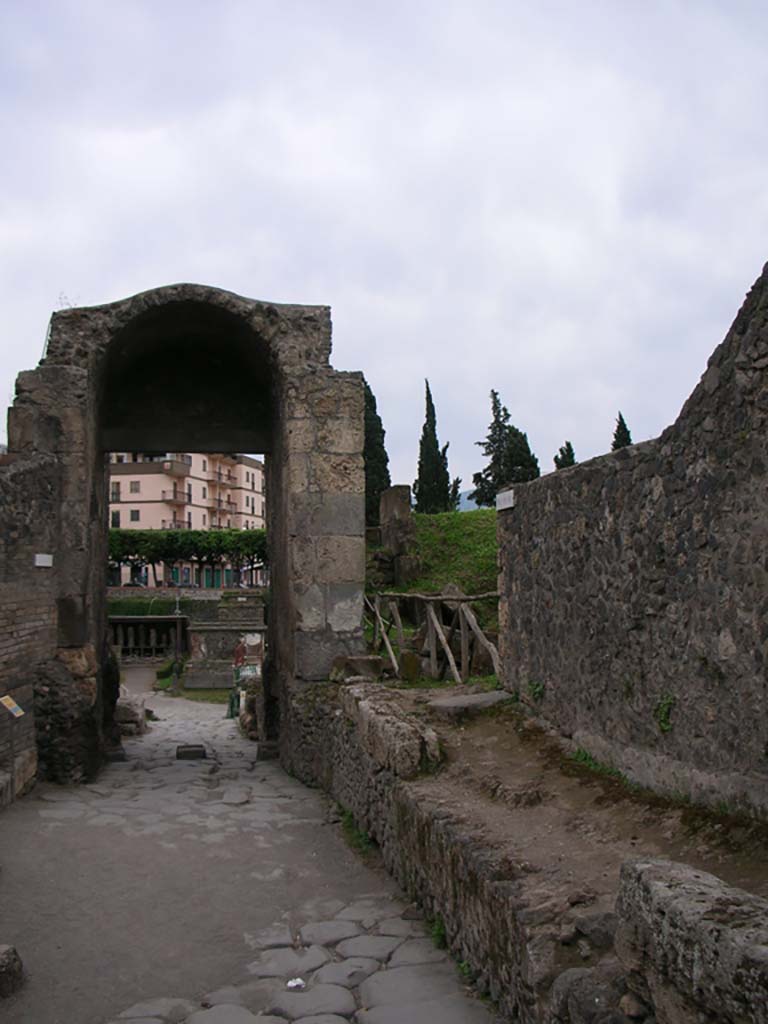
(505, 500)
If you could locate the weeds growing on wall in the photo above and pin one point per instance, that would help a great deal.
(536, 691)
(663, 712)
(357, 839)
(586, 760)
(437, 932)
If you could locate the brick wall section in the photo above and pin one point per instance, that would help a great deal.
(29, 499)
(634, 609)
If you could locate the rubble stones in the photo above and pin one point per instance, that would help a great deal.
(11, 971)
(694, 946)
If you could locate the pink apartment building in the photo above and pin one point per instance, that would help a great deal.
(183, 491)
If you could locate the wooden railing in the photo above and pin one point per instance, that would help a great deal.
(383, 611)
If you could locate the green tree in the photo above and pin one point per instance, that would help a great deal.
(565, 457)
(433, 489)
(376, 460)
(621, 435)
(137, 548)
(510, 459)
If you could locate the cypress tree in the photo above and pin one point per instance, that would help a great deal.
(565, 457)
(621, 435)
(433, 489)
(376, 460)
(511, 460)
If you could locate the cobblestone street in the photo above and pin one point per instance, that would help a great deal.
(195, 890)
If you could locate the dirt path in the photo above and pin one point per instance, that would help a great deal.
(568, 829)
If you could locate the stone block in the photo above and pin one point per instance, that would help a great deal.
(310, 607)
(297, 474)
(393, 738)
(80, 661)
(318, 515)
(11, 971)
(369, 666)
(466, 705)
(315, 651)
(340, 559)
(340, 435)
(337, 474)
(190, 752)
(300, 435)
(344, 607)
(71, 620)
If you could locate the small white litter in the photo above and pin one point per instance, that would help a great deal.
(296, 983)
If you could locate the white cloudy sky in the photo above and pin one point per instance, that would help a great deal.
(563, 201)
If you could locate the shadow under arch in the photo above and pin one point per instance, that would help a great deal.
(189, 367)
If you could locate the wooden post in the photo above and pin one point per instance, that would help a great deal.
(431, 642)
(376, 621)
(449, 638)
(395, 613)
(387, 644)
(465, 662)
(483, 640)
(438, 629)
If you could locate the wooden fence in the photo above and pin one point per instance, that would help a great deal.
(383, 611)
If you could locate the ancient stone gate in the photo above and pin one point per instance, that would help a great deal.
(183, 367)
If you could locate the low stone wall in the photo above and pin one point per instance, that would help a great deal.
(505, 924)
(634, 590)
(695, 948)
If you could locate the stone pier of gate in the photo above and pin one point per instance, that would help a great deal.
(179, 368)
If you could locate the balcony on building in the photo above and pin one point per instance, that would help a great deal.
(177, 497)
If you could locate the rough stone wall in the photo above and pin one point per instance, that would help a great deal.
(29, 500)
(635, 590)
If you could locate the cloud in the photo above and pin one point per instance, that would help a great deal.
(563, 202)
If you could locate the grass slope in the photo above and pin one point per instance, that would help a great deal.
(457, 547)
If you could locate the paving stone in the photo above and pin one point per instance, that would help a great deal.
(225, 1014)
(377, 946)
(446, 1010)
(403, 927)
(289, 963)
(370, 909)
(322, 1018)
(267, 938)
(328, 933)
(318, 1000)
(137, 1020)
(235, 796)
(229, 994)
(466, 705)
(349, 973)
(171, 1010)
(400, 986)
(417, 951)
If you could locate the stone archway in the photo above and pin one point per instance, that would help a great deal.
(183, 367)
